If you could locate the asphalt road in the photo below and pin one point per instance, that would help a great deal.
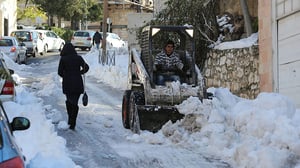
(49, 57)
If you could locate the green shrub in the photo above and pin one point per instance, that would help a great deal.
(65, 34)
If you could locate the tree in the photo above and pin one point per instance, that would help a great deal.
(247, 19)
(201, 14)
(95, 12)
(31, 13)
(73, 10)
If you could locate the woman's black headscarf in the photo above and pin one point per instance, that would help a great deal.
(68, 49)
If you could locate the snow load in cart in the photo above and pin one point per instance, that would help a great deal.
(146, 105)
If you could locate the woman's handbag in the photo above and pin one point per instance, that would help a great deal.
(85, 99)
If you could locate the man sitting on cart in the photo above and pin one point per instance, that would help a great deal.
(167, 64)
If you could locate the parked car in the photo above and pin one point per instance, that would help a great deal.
(13, 49)
(7, 84)
(29, 38)
(114, 40)
(10, 152)
(83, 39)
(50, 41)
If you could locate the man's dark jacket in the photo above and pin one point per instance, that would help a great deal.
(71, 67)
(97, 37)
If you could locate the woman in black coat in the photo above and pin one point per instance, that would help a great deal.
(71, 67)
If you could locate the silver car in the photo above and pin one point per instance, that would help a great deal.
(13, 49)
(29, 38)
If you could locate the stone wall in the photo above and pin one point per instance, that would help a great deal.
(236, 69)
(118, 16)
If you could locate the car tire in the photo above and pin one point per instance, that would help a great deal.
(125, 109)
(34, 53)
(136, 98)
(44, 51)
(18, 61)
(25, 60)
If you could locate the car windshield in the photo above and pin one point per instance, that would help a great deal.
(6, 42)
(115, 36)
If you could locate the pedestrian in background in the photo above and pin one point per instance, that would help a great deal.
(71, 67)
(97, 39)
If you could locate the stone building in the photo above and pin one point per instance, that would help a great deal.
(118, 11)
(8, 16)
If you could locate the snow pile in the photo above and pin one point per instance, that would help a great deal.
(227, 27)
(108, 74)
(246, 133)
(224, 23)
(246, 42)
(40, 143)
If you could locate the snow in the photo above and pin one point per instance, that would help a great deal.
(259, 133)
(246, 42)
(224, 23)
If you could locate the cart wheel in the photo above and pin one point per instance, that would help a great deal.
(125, 109)
(136, 98)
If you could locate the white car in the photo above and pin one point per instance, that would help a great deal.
(83, 39)
(13, 49)
(49, 41)
(114, 40)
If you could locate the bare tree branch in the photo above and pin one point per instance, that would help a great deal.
(206, 36)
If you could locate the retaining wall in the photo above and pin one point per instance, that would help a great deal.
(236, 69)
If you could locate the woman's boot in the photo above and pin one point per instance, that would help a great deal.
(69, 109)
(73, 116)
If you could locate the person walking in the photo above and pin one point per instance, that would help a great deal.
(71, 67)
(97, 39)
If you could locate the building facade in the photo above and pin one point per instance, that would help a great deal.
(118, 11)
(8, 16)
(279, 39)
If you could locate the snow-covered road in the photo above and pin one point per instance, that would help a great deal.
(227, 131)
(100, 139)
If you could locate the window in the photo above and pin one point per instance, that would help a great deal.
(6, 42)
(22, 35)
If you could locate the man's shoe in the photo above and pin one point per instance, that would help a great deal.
(72, 127)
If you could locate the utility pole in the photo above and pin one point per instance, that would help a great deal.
(104, 30)
(247, 18)
(85, 17)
